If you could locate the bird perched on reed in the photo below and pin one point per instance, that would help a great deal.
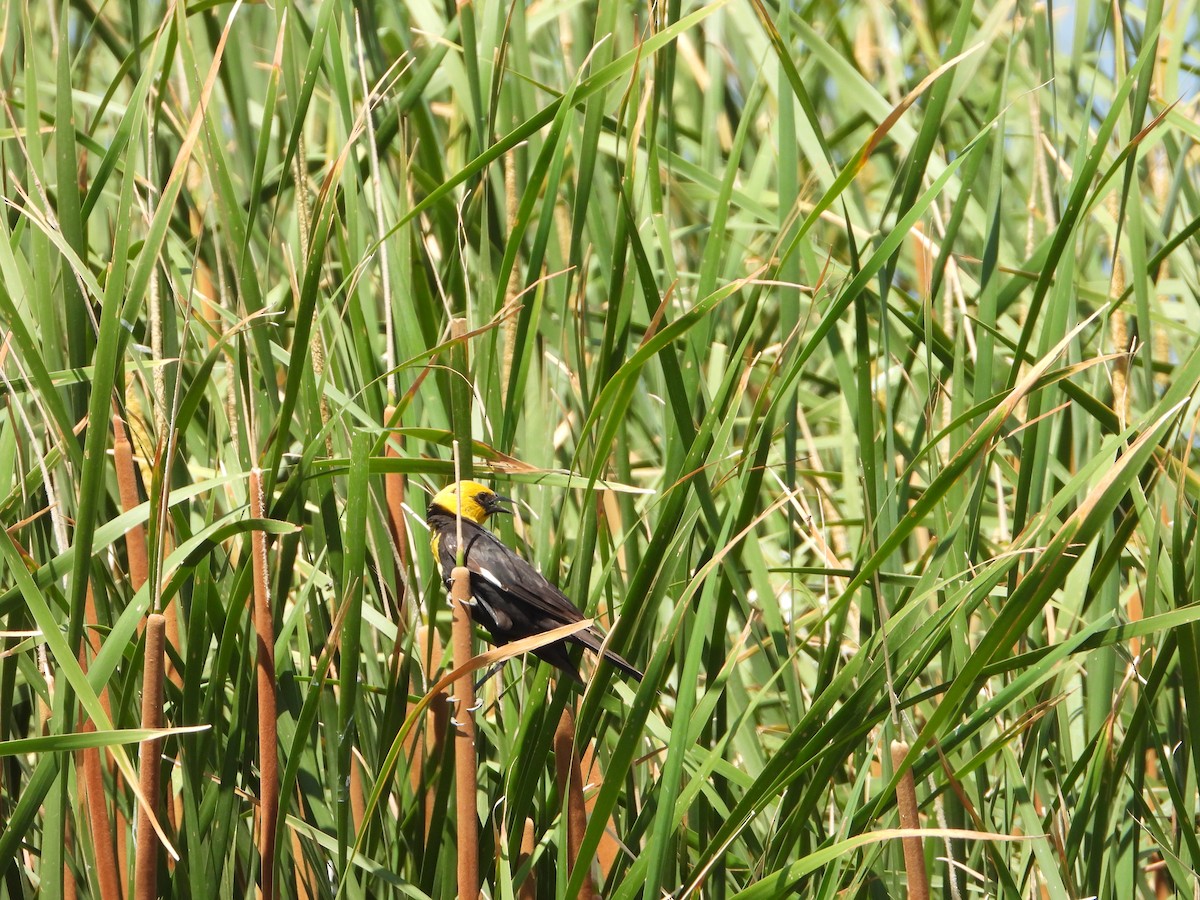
(511, 599)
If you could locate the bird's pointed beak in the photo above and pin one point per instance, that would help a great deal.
(495, 507)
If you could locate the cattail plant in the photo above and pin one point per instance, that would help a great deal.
(150, 759)
(427, 742)
(528, 889)
(268, 759)
(570, 791)
(906, 801)
(593, 781)
(91, 769)
(464, 740)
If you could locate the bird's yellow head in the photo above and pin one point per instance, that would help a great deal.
(470, 498)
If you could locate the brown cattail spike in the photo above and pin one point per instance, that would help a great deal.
(268, 760)
(429, 741)
(570, 789)
(914, 852)
(464, 741)
(92, 776)
(593, 780)
(528, 890)
(135, 537)
(150, 759)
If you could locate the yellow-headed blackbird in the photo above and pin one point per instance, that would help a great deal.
(511, 599)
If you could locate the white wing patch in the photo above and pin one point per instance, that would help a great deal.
(487, 573)
(502, 620)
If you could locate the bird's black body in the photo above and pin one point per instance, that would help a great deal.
(512, 600)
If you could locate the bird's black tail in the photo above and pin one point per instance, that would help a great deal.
(556, 654)
(594, 641)
(624, 665)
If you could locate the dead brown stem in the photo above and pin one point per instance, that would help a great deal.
(393, 483)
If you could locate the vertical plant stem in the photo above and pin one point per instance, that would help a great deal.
(135, 537)
(1118, 323)
(268, 761)
(570, 790)
(914, 852)
(460, 595)
(139, 568)
(393, 483)
(460, 400)
(150, 759)
(514, 276)
(464, 741)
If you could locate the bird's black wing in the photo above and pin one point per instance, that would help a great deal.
(515, 599)
(489, 559)
(496, 564)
